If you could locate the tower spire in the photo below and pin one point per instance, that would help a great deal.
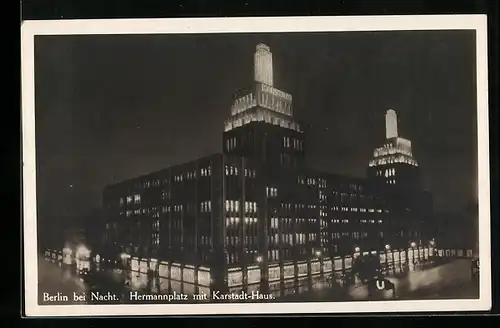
(391, 124)
(263, 64)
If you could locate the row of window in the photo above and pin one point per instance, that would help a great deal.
(231, 143)
(191, 175)
(136, 199)
(206, 171)
(355, 209)
(236, 220)
(236, 240)
(293, 143)
(234, 206)
(353, 235)
(206, 206)
(387, 173)
(300, 238)
(271, 192)
(233, 171)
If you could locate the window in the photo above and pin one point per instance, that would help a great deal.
(271, 192)
(206, 171)
(137, 199)
(206, 206)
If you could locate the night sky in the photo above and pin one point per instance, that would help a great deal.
(111, 107)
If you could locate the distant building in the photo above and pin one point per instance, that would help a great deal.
(256, 212)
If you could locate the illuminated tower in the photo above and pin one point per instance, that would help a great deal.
(391, 124)
(263, 65)
(393, 166)
(261, 125)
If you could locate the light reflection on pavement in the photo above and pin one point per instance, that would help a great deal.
(431, 283)
(56, 278)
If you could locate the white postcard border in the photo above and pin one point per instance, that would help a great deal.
(250, 25)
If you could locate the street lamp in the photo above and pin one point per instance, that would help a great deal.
(387, 248)
(259, 259)
(432, 244)
(413, 245)
(318, 253)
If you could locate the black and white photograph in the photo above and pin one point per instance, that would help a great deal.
(256, 165)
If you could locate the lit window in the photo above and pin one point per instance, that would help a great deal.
(137, 199)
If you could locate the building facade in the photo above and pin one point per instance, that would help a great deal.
(256, 213)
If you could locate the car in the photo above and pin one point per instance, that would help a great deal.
(84, 271)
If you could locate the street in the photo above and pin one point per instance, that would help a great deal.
(444, 281)
(450, 280)
(54, 278)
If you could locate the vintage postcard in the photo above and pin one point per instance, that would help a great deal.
(256, 165)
